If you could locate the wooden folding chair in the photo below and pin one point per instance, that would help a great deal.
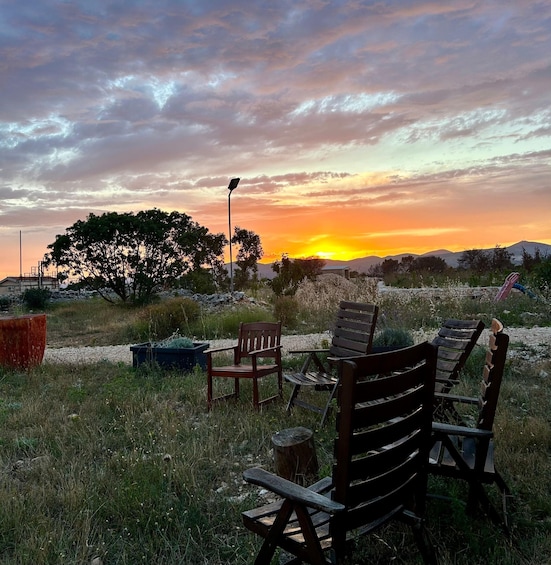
(380, 464)
(467, 453)
(352, 336)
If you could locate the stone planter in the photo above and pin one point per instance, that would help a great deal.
(183, 358)
(22, 341)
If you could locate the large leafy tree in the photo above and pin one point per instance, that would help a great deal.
(483, 261)
(134, 255)
(250, 252)
(291, 272)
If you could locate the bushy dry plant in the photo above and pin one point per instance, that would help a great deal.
(318, 300)
(428, 307)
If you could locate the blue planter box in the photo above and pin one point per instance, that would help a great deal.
(183, 358)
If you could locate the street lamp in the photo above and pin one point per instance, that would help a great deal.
(231, 187)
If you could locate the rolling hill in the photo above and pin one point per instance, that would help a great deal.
(362, 264)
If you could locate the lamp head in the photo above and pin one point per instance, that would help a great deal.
(233, 184)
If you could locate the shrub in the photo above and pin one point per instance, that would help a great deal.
(226, 324)
(393, 337)
(286, 310)
(36, 298)
(159, 321)
(318, 300)
(176, 341)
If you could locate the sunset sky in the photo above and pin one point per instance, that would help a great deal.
(357, 127)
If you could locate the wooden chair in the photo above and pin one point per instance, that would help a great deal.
(379, 469)
(467, 453)
(352, 336)
(256, 342)
(455, 341)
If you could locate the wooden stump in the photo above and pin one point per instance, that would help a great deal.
(295, 455)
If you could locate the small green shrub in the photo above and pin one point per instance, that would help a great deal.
(393, 337)
(4, 303)
(176, 341)
(286, 310)
(36, 298)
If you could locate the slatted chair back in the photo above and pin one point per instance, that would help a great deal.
(492, 376)
(379, 473)
(383, 433)
(254, 336)
(353, 330)
(455, 341)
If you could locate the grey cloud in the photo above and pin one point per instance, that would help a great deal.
(142, 94)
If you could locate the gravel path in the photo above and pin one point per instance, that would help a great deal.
(121, 353)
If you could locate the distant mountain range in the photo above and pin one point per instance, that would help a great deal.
(363, 264)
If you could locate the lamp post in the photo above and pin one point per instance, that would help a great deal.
(231, 187)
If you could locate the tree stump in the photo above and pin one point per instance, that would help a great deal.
(295, 455)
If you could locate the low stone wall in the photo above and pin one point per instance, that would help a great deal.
(474, 292)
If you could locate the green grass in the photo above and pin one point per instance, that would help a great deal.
(102, 460)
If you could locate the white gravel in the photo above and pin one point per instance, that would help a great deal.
(121, 353)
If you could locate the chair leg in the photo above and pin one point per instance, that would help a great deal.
(426, 548)
(209, 392)
(328, 405)
(294, 394)
(505, 495)
(477, 495)
(255, 394)
(264, 556)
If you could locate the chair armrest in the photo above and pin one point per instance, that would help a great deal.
(291, 491)
(450, 429)
(310, 351)
(337, 359)
(447, 381)
(260, 352)
(456, 398)
(219, 349)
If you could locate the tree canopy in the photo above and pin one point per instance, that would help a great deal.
(290, 272)
(135, 255)
(250, 252)
(481, 260)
